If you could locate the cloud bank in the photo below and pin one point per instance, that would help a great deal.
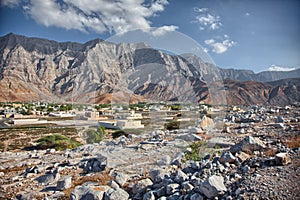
(280, 69)
(100, 16)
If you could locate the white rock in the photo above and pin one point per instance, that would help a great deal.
(121, 178)
(149, 196)
(117, 194)
(64, 183)
(212, 186)
(141, 185)
(282, 159)
(227, 157)
(172, 188)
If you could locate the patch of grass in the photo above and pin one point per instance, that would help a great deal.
(197, 151)
(14, 138)
(58, 142)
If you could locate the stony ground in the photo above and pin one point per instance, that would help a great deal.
(256, 156)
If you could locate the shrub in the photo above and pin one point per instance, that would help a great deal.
(175, 107)
(196, 149)
(94, 136)
(172, 125)
(58, 142)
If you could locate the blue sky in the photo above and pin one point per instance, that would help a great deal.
(243, 34)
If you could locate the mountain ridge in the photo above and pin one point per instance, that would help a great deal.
(40, 69)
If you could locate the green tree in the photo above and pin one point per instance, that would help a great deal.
(50, 109)
(94, 136)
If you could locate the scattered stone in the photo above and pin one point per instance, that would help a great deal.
(248, 145)
(205, 123)
(116, 194)
(165, 160)
(187, 186)
(34, 170)
(141, 186)
(94, 164)
(241, 131)
(189, 137)
(196, 196)
(149, 196)
(248, 171)
(279, 125)
(27, 196)
(180, 176)
(50, 151)
(227, 157)
(159, 192)
(282, 159)
(87, 191)
(178, 159)
(213, 186)
(113, 184)
(158, 175)
(242, 157)
(226, 129)
(172, 188)
(48, 178)
(280, 119)
(64, 183)
(245, 169)
(121, 178)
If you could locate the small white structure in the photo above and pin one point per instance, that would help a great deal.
(28, 121)
(129, 124)
(61, 114)
(134, 116)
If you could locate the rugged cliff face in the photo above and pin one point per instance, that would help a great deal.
(99, 71)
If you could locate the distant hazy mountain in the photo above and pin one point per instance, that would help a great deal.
(40, 69)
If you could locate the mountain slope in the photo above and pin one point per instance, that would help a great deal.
(97, 71)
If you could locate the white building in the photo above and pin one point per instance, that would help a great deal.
(134, 116)
(129, 124)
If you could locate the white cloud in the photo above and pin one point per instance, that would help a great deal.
(206, 19)
(210, 41)
(200, 10)
(114, 16)
(278, 68)
(247, 14)
(220, 47)
(9, 3)
(163, 30)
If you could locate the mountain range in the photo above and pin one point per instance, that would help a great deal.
(34, 69)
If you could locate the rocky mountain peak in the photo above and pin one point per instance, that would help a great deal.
(67, 70)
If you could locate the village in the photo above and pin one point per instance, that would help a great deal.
(169, 151)
(109, 116)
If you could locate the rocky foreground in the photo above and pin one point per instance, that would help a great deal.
(256, 156)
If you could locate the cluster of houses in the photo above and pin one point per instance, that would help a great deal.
(111, 117)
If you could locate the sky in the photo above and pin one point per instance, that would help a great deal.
(242, 34)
